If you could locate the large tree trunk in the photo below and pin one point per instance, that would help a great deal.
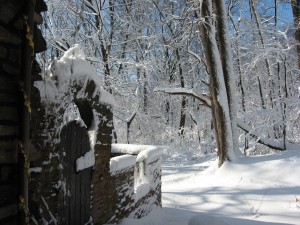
(227, 65)
(239, 67)
(218, 91)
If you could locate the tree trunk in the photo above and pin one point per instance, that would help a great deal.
(227, 65)
(183, 100)
(296, 14)
(219, 96)
(239, 67)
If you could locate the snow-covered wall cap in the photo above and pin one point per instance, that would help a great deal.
(131, 149)
(149, 155)
(74, 66)
(121, 162)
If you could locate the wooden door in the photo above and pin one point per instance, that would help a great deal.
(76, 199)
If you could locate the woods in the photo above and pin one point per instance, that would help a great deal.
(239, 57)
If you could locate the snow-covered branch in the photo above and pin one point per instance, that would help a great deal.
(205, 99)
(270, 143)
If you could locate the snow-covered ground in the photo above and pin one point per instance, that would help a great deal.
(252, 190)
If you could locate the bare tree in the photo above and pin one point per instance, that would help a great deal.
(296, 15)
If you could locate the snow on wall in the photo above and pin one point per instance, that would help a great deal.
(121, 162)
(62, 73)
(147, 175)
(130, 149)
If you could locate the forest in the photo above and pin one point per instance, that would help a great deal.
(191, 75)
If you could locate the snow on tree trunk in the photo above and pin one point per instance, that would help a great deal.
(227, 63)
(219, 96)
(296, 15)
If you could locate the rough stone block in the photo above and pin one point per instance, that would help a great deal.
(14, 55)
(8, 37)
(39, 41)
(38, 19)
(8, 10)
(19, 25)
(10, 98)
(11, 69)
(8, 210)
(8, 113)
(8, 152)
(3, 52)
(8, 130)
(8, 194)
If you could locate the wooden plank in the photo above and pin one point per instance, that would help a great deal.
(61, 149)
(68, 174)
(77, 176)
(87, 182)
(75, 143)
(81, 176)
(82, 180)
(72, 151)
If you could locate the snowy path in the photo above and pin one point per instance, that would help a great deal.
(257, 190)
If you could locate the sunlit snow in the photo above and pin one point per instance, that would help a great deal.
(253, 190)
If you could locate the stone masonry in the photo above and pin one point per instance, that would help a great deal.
(12, 38)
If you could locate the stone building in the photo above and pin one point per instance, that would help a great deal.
(20, 39)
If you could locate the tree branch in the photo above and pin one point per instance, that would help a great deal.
(206, 100)
(261, 140)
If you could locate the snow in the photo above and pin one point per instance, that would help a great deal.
(149, 153)
(141, 190)
(35, 169)
(86, 161)
(121, 162)
(59, 90)
(206, 219)
(256, 190)
(62, 72)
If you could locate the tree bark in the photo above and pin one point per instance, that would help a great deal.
(296, 14)
(219, 96)
(227, 65)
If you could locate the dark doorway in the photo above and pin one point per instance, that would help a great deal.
(77, 192)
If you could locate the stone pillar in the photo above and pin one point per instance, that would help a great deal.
(101, 188)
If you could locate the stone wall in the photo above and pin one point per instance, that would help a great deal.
(138, 191)
(121, 194)
(12, 39)
(152, 198)
(101, 187)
